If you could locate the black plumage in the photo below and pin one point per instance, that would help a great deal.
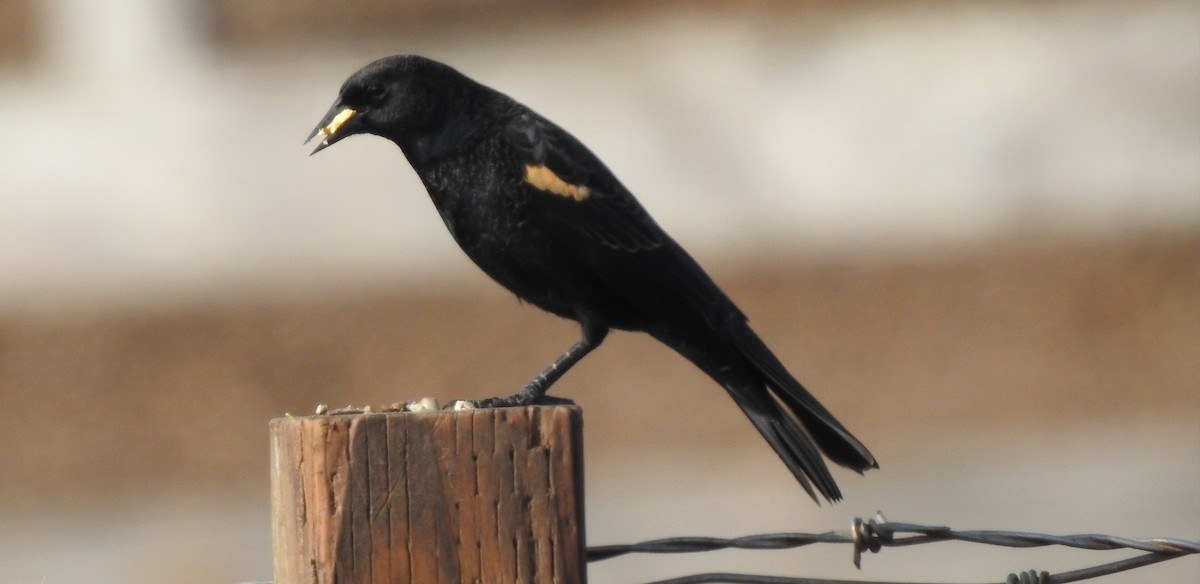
(543, 216)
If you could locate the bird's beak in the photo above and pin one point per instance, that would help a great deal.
(337, 124)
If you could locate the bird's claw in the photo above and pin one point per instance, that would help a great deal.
(549, 400)
(459, 405)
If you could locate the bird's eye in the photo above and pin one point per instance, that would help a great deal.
(375, 91)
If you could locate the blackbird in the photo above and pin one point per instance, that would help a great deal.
(544, 217)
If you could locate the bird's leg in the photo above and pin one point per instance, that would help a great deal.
(535, 390)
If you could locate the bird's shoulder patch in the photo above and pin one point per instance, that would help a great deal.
(542, 178)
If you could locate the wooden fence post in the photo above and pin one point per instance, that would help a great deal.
(487, 496)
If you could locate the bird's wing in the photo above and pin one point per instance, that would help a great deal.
(560, 167)
(577, 199)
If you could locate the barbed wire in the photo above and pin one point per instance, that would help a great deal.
(875, 534)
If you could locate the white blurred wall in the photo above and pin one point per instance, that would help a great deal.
(140, 163)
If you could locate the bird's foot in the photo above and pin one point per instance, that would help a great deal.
(549, 400)
(512, 401)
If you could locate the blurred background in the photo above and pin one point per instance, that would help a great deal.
(973, 229)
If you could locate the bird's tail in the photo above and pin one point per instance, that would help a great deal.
(831, 437)
(792, 421)
(786, 436)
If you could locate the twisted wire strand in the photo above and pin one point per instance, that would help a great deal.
(893, 534)
(875, 534)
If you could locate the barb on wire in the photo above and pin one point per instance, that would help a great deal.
(878, 533)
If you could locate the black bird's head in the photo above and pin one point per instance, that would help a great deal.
(398, 98)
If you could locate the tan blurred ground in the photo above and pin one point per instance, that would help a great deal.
(1025, 339)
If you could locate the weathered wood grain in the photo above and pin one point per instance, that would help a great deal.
(491, 496)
